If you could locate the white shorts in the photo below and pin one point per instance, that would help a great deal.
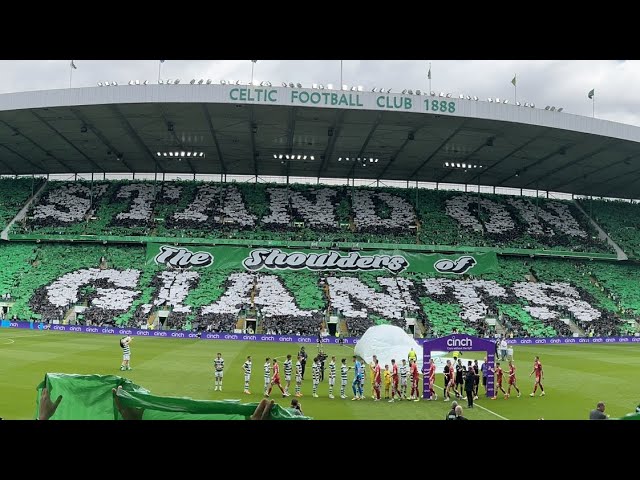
(126, 357)
(343, 382)
(316, 383)
(219, 374)
(267, 381)
(298, 380)
(287, 378)
(247, 378)
(403, 382)
(332, 381)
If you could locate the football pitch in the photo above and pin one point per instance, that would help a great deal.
(576, 377)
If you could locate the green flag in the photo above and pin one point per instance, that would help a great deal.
(514, 80)
(592, 93)
(90, 397)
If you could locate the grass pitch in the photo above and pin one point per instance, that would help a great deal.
(576, 376)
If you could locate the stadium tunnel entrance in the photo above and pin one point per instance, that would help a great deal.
(459, 343)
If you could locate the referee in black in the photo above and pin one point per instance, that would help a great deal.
(469, 384)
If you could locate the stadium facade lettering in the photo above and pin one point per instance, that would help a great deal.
(340, 99)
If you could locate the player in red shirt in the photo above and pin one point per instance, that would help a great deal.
(377, 380)
(499, 374)
(275, 379)
(415, 376)
(432, 379)
(394, 381)
(537, 369)
(512, 380)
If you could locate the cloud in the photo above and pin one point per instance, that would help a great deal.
(560, 83)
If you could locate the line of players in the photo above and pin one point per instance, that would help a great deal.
(454, 379)
(395, 379)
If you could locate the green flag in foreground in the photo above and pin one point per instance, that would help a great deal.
(90, 397)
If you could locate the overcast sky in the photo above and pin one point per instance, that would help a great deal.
(560, 83)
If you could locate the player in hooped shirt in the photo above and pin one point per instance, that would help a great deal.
(404, 370)
(537, 369)
(512, 380)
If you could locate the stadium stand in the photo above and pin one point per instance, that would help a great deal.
(303, 213)
(114, 285)
(620, 220)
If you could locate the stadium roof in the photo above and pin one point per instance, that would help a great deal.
(243, 130)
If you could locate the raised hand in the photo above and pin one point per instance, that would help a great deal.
(47, 407)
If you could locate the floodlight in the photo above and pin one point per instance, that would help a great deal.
(448, 95)
(201, 81)
(560, 109)
(177, 81)
(462, 96)
(146, 82)
(432, 93)
(547, 107)
(410, 92)
(299, 85)
(418, 92)
(99, 84)
(208, 81)
(506, 101)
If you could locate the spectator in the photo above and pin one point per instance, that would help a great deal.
(296, 408)
(459, 415)
(452, 414)
(598, 413)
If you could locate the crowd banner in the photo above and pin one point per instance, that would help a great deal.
(245, 337)
(274, 259)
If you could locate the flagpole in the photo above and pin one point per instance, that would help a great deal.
(429, 78)
(515, 90)
(70, 73)
(340, 75)
(159, 67)
(253, 62)
(593, 100)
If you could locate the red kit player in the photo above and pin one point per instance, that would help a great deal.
(275, 379)
(512, 379)
(499, 374)
(537, 369)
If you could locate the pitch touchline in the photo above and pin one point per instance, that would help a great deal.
(478, 405)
